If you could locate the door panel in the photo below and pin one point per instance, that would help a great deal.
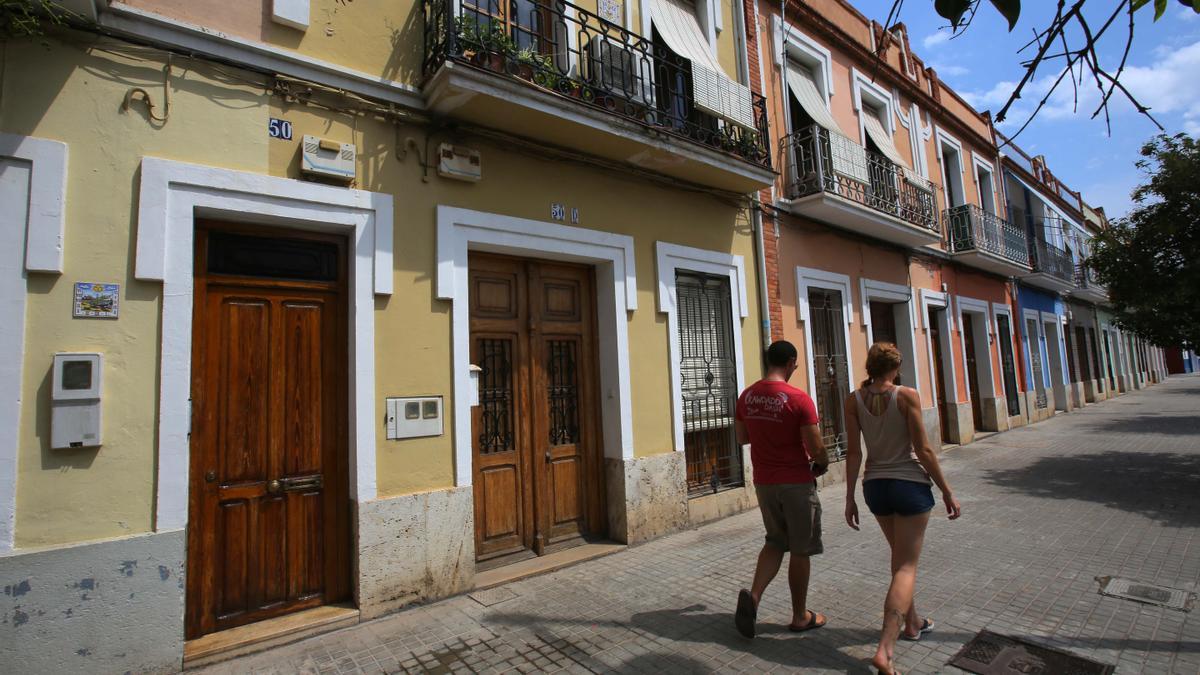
(939, 374)
(830, 365)
(968, 325)
(268, 518)
(536, 441)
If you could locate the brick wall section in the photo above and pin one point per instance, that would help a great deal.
(770, 241)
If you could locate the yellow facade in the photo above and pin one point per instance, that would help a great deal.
(218, 117)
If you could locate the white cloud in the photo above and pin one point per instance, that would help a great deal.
(935, 39)
(950, 70)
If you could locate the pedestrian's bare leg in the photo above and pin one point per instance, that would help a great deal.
(912, 620)
(769, 560)
(908, 536)
(798, 571)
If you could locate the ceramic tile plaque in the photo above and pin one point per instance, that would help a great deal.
(96, 301)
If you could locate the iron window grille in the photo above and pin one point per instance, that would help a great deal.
(1035, 362)
(708, 382)
(831, 367)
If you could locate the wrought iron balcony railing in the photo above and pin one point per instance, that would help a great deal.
(1049, 259)
(823, 161)
(1086, 277)
(567, 49)
(970, 228)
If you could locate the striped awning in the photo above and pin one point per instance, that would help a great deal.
(879, 134)
(712, 91)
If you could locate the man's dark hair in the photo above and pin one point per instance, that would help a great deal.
(780, 352)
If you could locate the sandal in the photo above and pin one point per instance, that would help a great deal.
(814, 623)
(926, 626)
(746, 614)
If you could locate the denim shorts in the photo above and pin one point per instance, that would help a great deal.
(894, 497)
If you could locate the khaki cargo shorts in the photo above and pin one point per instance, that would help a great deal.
(791, 512)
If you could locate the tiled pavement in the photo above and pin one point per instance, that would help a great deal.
(1113, 489)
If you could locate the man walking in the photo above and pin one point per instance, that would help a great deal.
(779, 422)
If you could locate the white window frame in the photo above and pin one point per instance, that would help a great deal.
(977, 311)
(806, 278)
(870, 289)
(931, 298)
(799, 46)
(945, 139)
(672, 258)
(42, 230)
(869, 93)
(978, 163)
(998, 310)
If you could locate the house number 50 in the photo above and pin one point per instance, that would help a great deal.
(559, 212)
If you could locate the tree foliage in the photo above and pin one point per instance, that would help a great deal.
(1150, 259)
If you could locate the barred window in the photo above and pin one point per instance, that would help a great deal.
(830, 365)
(708, 380)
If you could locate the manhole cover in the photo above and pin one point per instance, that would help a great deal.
(1151, 594)
(990, 653)
(492, 596)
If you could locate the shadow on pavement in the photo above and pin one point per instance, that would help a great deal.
(1165, 424)
(1159, 485)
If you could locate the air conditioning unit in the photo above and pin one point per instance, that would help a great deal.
(329, 159)
(459, 163)
(619, 71)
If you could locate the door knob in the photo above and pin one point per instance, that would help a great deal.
(274, 486)
(210, 475)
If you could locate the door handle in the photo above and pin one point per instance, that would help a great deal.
(301, 483)
(274, 487)
(547, 456)
(210, 476)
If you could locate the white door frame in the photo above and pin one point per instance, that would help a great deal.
(906, 322)
(807, 277)
(977, 313)
(938, 299)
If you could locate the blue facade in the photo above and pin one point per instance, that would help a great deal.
(1029, 298)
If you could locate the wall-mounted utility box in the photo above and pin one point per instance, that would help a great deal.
(329, 159)
(459, 163)
(413, 417)
(75, 400)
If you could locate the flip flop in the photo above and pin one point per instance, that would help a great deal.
(926, 626)
(816, 622)
(746, 614)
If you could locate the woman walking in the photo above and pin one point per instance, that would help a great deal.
(896, 486)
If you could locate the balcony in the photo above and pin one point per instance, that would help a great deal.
(1088, 286)
(833, 179)
(1052, 267)
(556, 73)
(986, 241)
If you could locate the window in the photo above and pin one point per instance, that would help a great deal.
(987, 191)
(952, 175)
(829, 365)
(708, 379)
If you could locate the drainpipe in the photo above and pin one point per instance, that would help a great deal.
(760, 261)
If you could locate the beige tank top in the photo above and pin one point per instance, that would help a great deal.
(889, 450)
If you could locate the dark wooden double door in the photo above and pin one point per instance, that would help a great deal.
(268, 523)
(537, 464)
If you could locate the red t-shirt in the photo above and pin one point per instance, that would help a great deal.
(773, 413)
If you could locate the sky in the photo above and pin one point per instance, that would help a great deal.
(984, 65)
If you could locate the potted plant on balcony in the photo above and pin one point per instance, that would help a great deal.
(485, 44)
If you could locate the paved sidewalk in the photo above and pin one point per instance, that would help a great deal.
(1113, 489)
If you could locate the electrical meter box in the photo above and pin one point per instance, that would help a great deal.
(459, 163)
(330, 159)
(75, 400)
(413, 417)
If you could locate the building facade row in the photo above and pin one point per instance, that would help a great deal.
(322, 309)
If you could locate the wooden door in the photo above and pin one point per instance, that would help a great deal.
(830, 365)
(883, 326)
(268, 523)
(968, 325)
(536, 443)
(933, 321)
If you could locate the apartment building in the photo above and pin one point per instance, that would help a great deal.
(326, 308)
(376, 297)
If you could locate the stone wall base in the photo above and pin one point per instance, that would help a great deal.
(995, 414)
(647, 497)
(107, 607)
(414, 548)
(961, 427)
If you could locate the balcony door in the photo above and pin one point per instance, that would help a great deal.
(537, 473)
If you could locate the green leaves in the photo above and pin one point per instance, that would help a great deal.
(1011, 10)
(955, 10)
(952, 10)
(1160, 6)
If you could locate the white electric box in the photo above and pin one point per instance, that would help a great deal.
(414, 417)
(330, 159)
(459, 163)
(75, 400)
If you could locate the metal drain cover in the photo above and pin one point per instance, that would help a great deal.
(1151, 594)
(990, 653)
(492, 596)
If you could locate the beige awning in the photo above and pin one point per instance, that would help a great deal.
(847, 157)
(879, 134)
(712, 91)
